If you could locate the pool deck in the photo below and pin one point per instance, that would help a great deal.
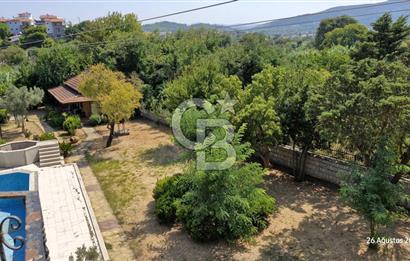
(68, 217)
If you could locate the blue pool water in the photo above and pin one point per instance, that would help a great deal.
(16, 181)
(15, 207)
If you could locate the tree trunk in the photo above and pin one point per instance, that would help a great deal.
(372, 234)
(294, 160)
(265, 160)
(300, 174)
(111, 136)
(23, 125)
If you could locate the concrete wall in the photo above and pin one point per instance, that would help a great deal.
(321, 167)
(153, 117)
(19, 153)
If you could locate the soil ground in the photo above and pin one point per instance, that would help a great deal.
(311, 222)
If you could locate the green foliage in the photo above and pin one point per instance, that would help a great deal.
(13, 55)
(346, 36)
(56, 119)
(33, 36)
(385, 40)
(2, 141)
(87, 254)
(47, 136)
(4, 31)
(328, 25)
(257, 110)
(97, 119)
(57, 64)
(71, 124)
(4, 116)
(18, 100)
(65, 148)
(370, 191)
(166, 192)
(217, 204)
(363, 102)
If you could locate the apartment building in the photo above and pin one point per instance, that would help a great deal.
(18, 23)
(55, 25)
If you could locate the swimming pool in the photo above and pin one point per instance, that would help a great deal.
(16, 181)
(15, 207)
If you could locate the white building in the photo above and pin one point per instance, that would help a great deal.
(55, 25)
(18, 23)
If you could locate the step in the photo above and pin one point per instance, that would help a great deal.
(50, 164)
(50, 158)
(48, 149)
(48, 152)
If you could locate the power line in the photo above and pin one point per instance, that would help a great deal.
(135, 38)
(142, 20)
(312, 21)
(320, 13)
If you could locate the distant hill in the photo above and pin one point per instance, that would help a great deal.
(302, 24)
(365, 14)
(167, 27)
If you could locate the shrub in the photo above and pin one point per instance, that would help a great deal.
(166, 192)
(27, 133)
(4, 116)
(56, 119)
(65, 148)
(72, 123)
(95, 120)
(46, 136)
(2, 141)
(217, 204)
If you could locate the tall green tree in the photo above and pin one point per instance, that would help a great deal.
(13, 55)
(33, 36)
(298, 112)
(116, 96)
(257, 109)
(370, 192)
(346, 36)
(328, 25)
(386, 40)
(365, 102)
(57, 64)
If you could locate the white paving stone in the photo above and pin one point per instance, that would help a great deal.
(66, 219)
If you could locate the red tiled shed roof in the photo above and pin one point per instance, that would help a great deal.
(73, 82)
(65, 95)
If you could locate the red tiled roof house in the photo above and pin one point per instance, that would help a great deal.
(70, 99)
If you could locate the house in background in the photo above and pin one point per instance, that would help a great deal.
(18, 23)
(55, 25)
(70, 99)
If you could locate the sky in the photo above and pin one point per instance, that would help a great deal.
(234, 13)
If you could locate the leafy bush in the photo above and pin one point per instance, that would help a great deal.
(166, 192)
(2, 141)
(55, 119)
(46, 136)
(27, 133)
(72, 123)
(4, 116)
(65, 148)
(97, 119)
(216, 204)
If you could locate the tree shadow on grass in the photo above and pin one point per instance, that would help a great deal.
(164, 155)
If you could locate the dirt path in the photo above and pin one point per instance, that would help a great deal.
(311, 223)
